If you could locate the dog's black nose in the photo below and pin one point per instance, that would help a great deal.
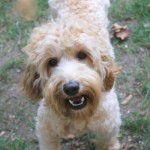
(71, 88)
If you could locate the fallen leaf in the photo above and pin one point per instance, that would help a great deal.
(2, 133)
(127, 100)
(121, 32)
(122, 35)
(117, 28)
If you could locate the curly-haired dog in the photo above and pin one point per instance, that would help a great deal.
(71, 68)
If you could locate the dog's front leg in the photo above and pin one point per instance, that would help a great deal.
(48, 139)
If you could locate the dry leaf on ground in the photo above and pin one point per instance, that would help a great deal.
(127, 100)
(121, 32)
(2, 133)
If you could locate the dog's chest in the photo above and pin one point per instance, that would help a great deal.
(73, 129)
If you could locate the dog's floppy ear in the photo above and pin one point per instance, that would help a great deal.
(30, 83)
(111, 70)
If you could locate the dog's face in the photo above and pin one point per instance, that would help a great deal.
(73, 87)
(68, 71)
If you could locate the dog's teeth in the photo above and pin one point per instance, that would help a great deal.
(82, 99)
(71, 102)
(74, 104)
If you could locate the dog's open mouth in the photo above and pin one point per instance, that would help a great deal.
(77, 102)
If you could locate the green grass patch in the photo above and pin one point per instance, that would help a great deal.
(11, 64)
(143, 78)
(16, 144)
(136, 14)
(126, 9)
(138, 126)
(13, 28)
(141, 34)
(42, 6)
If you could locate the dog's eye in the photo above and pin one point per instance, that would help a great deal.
(53, 62)
(81, 55)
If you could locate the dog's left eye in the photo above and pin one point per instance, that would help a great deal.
(81, 55)
(53, 62)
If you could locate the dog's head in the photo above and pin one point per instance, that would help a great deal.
(67, 68)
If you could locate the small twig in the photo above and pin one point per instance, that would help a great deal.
(19, 36)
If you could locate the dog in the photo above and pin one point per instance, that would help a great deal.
(71, 69)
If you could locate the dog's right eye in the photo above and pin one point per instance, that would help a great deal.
(53, 62)
(81, 55)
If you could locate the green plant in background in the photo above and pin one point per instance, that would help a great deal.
(16, 144)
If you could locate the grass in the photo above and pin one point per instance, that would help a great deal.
(136, 14)
(144, 77)
(16, 29)
(16, 144)
(13, 119)
(14, 35)
(9, 65)
(138, 126)
(135, 9)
